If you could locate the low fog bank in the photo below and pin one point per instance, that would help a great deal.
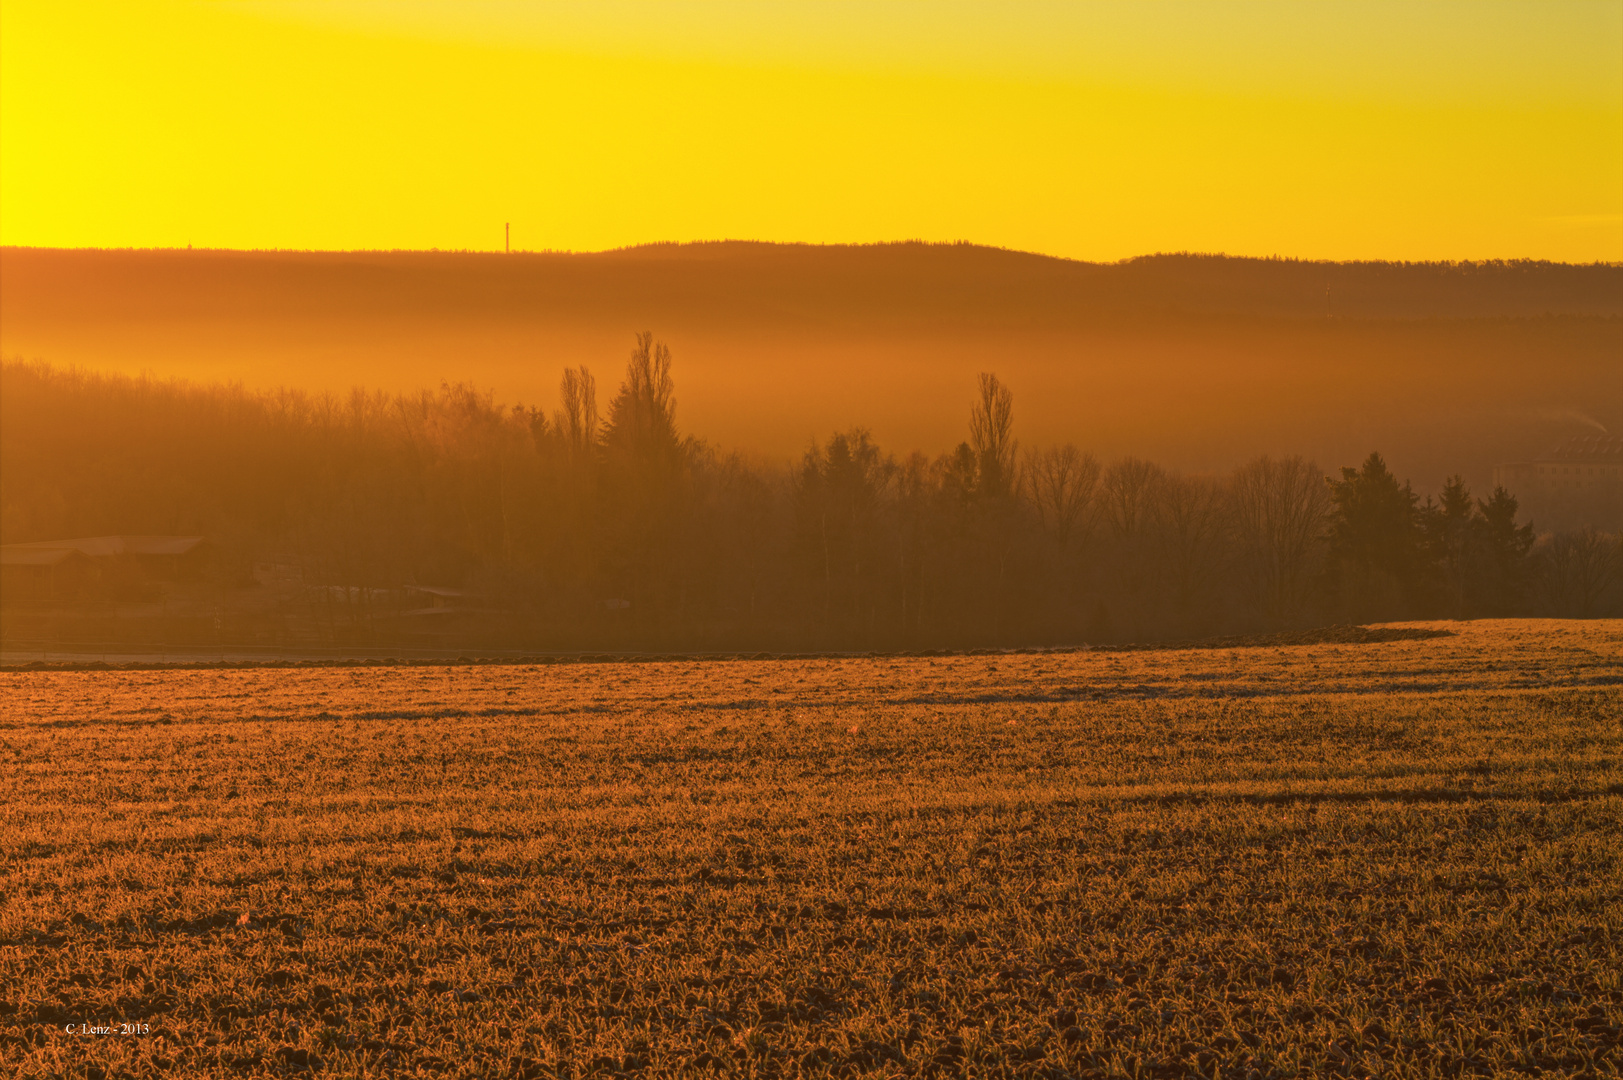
(1197, 362)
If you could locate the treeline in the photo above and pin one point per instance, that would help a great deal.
(604, 522)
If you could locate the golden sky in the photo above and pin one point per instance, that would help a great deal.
(1323, 130)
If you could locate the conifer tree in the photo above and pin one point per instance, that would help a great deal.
(1375, 536)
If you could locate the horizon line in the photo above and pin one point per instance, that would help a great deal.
(910, 242)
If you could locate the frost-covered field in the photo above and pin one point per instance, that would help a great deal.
(1394, 859)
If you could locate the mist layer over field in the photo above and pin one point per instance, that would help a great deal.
(1196, 362)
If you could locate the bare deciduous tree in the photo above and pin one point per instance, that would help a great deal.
(576, 421)
(642, 416)
(1280, 509)
(991, 435)
(1576, 569)
(646, 491)
(1187, 515)
(1062, 482)
(1128, 487)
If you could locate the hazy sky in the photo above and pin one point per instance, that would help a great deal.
(1098, 131)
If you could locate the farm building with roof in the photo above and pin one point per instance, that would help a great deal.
(1578, 484)
(70, 569)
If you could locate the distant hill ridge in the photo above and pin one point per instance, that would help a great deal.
(867, 287)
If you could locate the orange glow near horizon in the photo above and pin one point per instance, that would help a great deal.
(1323, 131)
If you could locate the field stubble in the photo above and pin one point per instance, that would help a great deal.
(1391, 859)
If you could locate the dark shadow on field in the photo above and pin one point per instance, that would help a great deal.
(1409, 797)
(1324, 635)
(1065, 695)
(1233, 690)
(1102, 799)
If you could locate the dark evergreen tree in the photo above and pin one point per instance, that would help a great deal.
(1378, 562)
(1452, 547)
(1506, 566)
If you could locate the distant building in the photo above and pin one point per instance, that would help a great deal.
(442, 598)
(90, 565)
(428, 612)
(279, 571)
(1578, 484)
(29, 574)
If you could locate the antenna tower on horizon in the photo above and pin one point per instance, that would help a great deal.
(507, 242)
